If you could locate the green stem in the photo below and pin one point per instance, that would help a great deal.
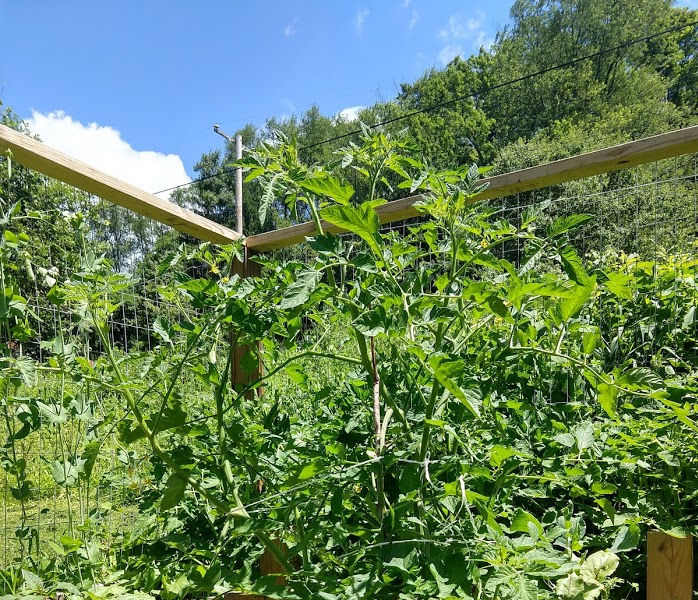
(318, 227)
(237, 511)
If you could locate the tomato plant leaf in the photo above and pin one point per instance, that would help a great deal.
(302, 473)
(573, 266)
(447, 372)
(298, 292)
(361, 220)
(564, 224)
(327, 185)
(174, 492)
(617, 284)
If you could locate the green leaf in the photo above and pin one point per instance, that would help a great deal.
(327, 185)
(54, 413)
(603, 488)
(267, 198)
(56, 296)
(584, 435)
(32, 580)
(361, 220)
(640, 378)
(617, 284)
(522, 519)
(26, 368)
(89, 457)
(207, 287)
(297, 374)
(627, 538)
(571, 306)
(589, 340)
(600, 566)
(572, 264)
(80, 408)
(499, 454)
(298, 292)
(161, 327)
(608, 395)
(70, 544)
(64, 473)
(669, 458)
(447, 371)
(574, 587)
(22, 492)
(372, 322)
(565, 439)
(173, 416)
(302, 473)
(174, 492)
(564, 224)
(249, 362)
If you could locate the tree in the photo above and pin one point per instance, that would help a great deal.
(545, 33)
(458, 132)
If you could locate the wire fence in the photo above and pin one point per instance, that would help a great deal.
(48, 498)
(647, 213)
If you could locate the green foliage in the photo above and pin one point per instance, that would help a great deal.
(437, 420)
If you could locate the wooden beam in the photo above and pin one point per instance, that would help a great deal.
(39, 157)
(615, 158)
(669, 567)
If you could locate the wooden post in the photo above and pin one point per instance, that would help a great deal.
(669, 567)
(240, 378)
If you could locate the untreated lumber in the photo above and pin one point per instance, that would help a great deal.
(615, 158)
(669, 567)
(37, 156)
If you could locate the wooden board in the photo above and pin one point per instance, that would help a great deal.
(238, 376)
(37, 156)
(669, 567)
(624, 156)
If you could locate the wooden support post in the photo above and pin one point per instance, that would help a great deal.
(239, 377)
(268, 564)
(669, 567)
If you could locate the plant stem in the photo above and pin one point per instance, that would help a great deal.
(377, 432)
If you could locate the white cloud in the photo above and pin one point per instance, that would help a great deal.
(460, 31)
(360, 19)
(350, 113)
(103, 148)
(406, 3)
(448, 53)
(290, 29)
(413, 20)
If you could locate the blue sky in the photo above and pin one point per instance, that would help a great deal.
(134, 87)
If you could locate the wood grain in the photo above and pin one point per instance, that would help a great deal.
(238, 376)
(37, 156)
(615, 158)
(669, 567)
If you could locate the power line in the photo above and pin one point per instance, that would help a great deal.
(483, 90)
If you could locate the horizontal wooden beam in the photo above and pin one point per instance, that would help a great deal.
(37, 156)
(615, 158)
